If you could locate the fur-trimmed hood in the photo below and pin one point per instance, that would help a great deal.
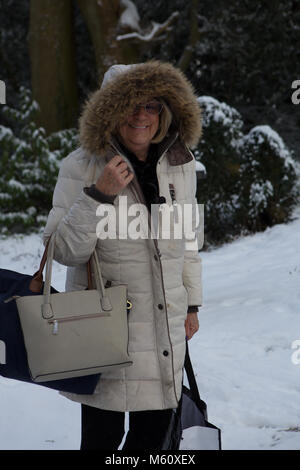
(128, 86)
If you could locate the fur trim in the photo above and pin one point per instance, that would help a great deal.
(110, 104)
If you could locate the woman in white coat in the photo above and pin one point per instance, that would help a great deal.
(135, 134)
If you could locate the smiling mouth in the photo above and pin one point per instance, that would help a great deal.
(138, 127)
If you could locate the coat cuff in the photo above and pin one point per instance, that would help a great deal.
(193, 308)
(93, 192)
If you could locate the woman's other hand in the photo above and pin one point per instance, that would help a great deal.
(191, 324)
(115, 176)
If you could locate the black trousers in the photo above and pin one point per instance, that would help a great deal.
(104, 430)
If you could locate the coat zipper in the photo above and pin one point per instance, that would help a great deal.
(56, 321)
(137, 192)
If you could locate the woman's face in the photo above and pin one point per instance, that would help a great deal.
(139, 128)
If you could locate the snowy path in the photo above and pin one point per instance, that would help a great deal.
(241, 354)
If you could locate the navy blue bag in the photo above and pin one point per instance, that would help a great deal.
(15, 366)
(189, 428)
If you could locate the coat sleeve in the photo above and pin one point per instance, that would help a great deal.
(73, 216)
(192, 267)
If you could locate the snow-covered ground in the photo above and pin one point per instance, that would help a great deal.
(242, 354)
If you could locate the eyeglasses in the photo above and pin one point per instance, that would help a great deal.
(153, 107)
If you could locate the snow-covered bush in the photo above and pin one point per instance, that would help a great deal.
(251, 179)
(268, 175)
(29, 163)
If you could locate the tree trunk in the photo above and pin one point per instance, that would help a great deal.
(187, 55)
(102, 19)
(52, 56)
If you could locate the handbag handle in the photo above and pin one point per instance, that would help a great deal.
(104, 299)
(48, 258)
(36, 283)
(192, 382)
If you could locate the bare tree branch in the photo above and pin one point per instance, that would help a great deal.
(157, 30)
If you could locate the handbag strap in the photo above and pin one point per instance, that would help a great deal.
(36, 283)
(191, 378)
(105, 301)
(46, 306)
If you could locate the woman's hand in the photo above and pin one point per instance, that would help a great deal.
(191, 324)
(115, 176)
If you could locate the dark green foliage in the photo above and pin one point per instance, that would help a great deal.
(269, 179)
(14, 54)
(251, 180)
(29, 166)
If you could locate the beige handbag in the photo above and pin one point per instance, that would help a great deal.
(77, 333)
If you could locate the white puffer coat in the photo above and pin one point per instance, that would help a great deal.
(163, 277)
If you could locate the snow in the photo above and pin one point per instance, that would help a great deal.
(219, 112)
(130, 16)
(259, 193)
(265, 132)
(147, 37)
(200, 167)
(16, 184)
(5, 132)
(242, 353)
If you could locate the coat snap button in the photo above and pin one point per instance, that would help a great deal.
(161, 200)
(165, 353)
(160, 306)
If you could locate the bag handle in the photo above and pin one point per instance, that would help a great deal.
(104, 299)
(192, 382)
(36, 283)
(48, 259)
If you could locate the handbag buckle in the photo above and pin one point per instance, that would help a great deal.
(128, 306)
